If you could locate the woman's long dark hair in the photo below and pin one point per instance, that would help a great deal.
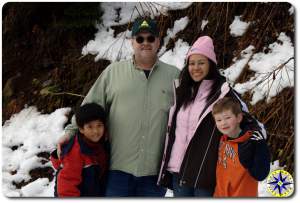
(188, 88)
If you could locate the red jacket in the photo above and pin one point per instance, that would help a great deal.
(81, 169)
(233, 180)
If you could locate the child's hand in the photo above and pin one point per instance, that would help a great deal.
(256, 135)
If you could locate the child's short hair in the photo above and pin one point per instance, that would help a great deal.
(227, 103)
(89, 112)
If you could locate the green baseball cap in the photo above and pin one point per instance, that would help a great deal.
(144, 24)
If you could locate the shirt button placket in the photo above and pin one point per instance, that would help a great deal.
(143, 131)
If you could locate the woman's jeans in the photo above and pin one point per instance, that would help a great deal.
(183, 191)
(121, 184)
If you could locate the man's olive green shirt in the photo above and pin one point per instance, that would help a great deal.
(137, 114)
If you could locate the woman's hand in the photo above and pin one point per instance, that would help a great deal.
(64, 139)
(256, 135)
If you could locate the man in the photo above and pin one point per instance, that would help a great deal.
(137, 94)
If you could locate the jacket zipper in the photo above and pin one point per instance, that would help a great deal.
(181, 181)
(200, 169)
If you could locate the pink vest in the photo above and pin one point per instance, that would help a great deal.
(187, 120)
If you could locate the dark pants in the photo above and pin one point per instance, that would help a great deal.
(183, 191)
(121, 184)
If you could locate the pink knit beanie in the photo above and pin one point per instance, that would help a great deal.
(204, 45)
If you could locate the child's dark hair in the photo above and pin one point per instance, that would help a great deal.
(90, 112)
(227, 103)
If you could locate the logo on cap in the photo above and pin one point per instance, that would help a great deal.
(144, 24)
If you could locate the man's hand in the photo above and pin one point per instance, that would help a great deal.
(61, 142)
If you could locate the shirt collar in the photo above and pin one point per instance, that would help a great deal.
(136, 67)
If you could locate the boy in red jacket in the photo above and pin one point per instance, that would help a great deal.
(83, 164)
(244, 157)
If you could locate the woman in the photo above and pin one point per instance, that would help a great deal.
(191, 148)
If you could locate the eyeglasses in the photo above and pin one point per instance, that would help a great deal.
(140, 39)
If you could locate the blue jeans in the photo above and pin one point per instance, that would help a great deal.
(121, 184)
(183, 191)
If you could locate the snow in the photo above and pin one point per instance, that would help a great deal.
(234, 71)
(106, 46)
(238, 27)
(274, 71)
(178, 26)
(37, 188)
(31, 132)
(128, 11)
(176, 56)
